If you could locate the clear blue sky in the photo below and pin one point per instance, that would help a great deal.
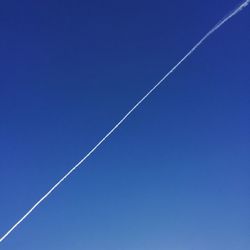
(175, 175)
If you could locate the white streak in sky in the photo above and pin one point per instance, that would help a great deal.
(217, 26)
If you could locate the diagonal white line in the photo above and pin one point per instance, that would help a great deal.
(217, 26)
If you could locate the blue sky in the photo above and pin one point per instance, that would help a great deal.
(175, 175)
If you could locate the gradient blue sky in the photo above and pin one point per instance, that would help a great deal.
(175, 175)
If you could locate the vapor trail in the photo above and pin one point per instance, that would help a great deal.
(217, 26)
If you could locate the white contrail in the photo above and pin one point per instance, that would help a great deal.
(217, 26)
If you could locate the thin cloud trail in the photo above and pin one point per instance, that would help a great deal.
(217, 26)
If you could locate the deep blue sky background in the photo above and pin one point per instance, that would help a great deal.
(176, 174)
